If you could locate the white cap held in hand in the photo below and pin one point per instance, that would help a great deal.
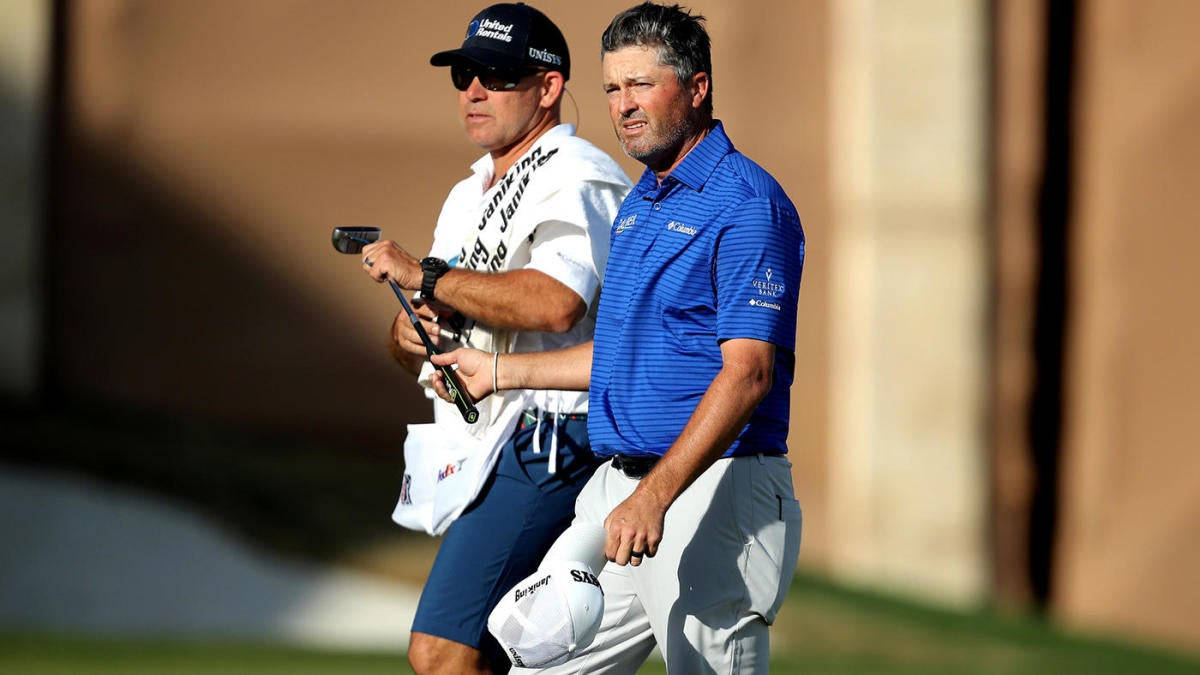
(550, 616)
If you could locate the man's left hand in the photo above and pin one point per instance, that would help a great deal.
(387, 260)
(634, 528)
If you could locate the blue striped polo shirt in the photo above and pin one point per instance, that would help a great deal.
(713, 253)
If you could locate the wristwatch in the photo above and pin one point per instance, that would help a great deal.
(433, 268)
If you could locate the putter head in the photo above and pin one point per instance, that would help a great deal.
(352, 239)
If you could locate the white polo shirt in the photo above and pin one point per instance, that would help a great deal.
(560, 208)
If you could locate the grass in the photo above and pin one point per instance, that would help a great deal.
(827, 628)
(58, 655)
(824, 628)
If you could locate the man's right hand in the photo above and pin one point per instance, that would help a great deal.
(474, 372)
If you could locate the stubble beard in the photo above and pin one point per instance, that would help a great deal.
(660, 150)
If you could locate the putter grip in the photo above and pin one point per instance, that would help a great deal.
(461, 400)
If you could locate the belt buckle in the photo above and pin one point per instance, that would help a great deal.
(634, 467)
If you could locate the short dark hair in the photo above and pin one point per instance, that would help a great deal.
(682, 42)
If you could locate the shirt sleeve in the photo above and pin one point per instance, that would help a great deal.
(570, 243)
(759, 258)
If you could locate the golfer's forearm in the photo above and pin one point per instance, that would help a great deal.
(515, 300)
(722, 413)
(568, 369)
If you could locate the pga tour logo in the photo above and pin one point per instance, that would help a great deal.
(406, 490)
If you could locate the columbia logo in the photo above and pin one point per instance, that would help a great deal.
(765, 305)
(676, 226)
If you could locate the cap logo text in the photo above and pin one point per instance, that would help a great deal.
(520, 593)
(586, 577)
(490, 28)
(542, 55)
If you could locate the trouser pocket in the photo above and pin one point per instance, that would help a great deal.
(774, 536)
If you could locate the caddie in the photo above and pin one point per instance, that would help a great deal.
(516, 265)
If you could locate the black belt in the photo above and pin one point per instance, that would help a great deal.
(634, 466)
(637, 466)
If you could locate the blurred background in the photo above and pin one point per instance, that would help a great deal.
(995, 390)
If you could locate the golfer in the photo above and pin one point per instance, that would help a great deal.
(515, 266)
(689, 372)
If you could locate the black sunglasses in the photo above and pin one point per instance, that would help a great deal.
(492, 79)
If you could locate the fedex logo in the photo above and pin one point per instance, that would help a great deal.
(450, 469)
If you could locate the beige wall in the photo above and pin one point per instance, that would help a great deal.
(1129, 558)
(213, 146)
(1018, 127)
(908, 295)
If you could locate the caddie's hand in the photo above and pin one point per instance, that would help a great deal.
(634, 529)
(386, 260)
(404, 336)
(474, 372)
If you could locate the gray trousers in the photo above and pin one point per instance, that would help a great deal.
(729, 550)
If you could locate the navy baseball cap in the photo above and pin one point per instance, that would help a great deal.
(511, 36)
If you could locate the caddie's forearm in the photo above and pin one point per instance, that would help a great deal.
(407, 360)
(567, 369)
(723, 411)
(514, 300)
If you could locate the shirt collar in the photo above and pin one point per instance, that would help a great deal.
(483, 165)
(700, 162)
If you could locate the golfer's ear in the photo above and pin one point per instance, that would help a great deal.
(552, 89)
(700, 85)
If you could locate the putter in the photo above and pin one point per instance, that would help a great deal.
(351, 240)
